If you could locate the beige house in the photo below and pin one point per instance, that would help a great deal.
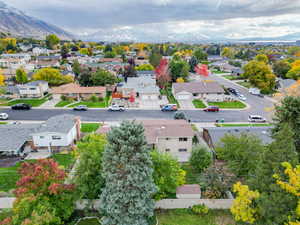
(77, 92)
(171, 136)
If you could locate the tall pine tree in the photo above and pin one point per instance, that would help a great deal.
(129, 187)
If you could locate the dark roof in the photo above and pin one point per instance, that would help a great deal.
(12, 89)
(36, 83)
(198, 87)
(144, 72)
(48, 57)
(216, 133)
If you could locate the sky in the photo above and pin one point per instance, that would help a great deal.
(168, 19)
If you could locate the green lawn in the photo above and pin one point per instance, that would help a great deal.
(33, 102)
(3, 123)
(9, 176)
(244, 125)
(229, 105)
(170, 96)
(218, 72)
(231, 77)
(63, 103)
(90, 104)
(192, 177)
(198, 104)
(89, 127)
(186, 217)
(246, 84)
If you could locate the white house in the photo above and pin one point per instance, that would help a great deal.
(34, 89)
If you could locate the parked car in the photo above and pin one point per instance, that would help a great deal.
(256, 118)
(21, 106)
(212, 109)
(80, 108)
(179, 116)
(3, 116)
(169, 107)
(254, 91)
(241, 97)
(233, 91)
(116, 108)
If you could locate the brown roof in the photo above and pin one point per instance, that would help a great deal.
(166, 128)
(198, 87)
(77, 89)
(188, 189)
(110, 60)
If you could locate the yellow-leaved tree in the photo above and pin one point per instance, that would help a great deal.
(179, 80)
(2, 78)
(243, 208)
(292, 186)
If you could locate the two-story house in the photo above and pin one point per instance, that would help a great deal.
(34, 89)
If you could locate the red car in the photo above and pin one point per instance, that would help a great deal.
(212, 109)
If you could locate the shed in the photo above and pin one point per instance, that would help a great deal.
(188, 191)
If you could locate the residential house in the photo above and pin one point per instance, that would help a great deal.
(205, 90)
(143, 88)
(56, 133)
(78, 92)
(170, 136)
(213, 135)
(34, 89)
(40, 51)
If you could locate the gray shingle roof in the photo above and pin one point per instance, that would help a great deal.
(60, 124)
(36, 83)
(198, 87)
(143, 84)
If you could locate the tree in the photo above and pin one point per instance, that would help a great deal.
(162, 73)
(103, 77)
(167, 174)
(154, 59)
(84, 51)
(109, 54)
(179, 68)
(262, 58)
(130, 69)
(41, 195)
(241, 152)
(76, 67)
(228, 52)
(52, 76)
(288, 112)
(51, 41)
(21, 76)
(85, 77)
(64, 51)
(147, 67)
(193, 63)
(2, 78)
(200, 55)
(294, 72)
(260, 75)
(88, 178)
(281, 68)
(200, 158)
(127, 167)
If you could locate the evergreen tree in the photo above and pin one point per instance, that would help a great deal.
(129, 187)
(274, 205)
(193, 63)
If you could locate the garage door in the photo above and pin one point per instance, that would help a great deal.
(183, 97)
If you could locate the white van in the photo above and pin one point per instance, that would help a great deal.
(256, 118)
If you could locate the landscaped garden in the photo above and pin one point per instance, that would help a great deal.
(89, 127)
(198, 104)
(34, 102)
(228, 105)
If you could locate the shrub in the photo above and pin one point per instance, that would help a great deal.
(63, 98)
(94, 98)
(201, 158)
(200, 209)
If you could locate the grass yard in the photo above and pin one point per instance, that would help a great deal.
(171, 98)
(3, 123)
(198, 104)
(63, 103)
(246, 84)
(186, 217)
(218, 72)
(89, 127)
(231, 77)
(229, 105)
(65, 160)
(33, 102)
(90, 104)
(244, 125)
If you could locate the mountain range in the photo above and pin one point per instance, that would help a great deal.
(17, 23)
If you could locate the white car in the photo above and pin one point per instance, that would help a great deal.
(116, 108)
(256, 118)
(3, 116)
(242, 97)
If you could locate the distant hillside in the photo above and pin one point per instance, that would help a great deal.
(17, 23)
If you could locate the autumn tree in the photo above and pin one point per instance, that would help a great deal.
(41, 195)
(21, 76)
(51, 41)
(127, 167)
(163, 74)
(147, 67)
(2, 78)
(228, 53)
(294, 72)
(52, 76)
(281, 68)
(262, 58)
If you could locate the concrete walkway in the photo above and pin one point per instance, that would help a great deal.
(186, 104)
(50, 103)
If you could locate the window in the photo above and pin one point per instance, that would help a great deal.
(42, 137)
(183, 139)
(182, 150)
(56, 137)
(167, 150)
(167, 139)
(32, 88)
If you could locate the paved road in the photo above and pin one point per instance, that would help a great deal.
(104, 115)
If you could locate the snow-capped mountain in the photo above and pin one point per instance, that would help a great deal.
(17, 23)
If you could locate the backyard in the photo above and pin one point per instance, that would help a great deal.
(89, 127)
(228, 105)
(34, 102)
(198, 104)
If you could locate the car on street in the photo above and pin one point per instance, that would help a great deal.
(80, 108)
(3, 116)
(211, 109)
(241, 97)
(169, 107)
(233, 91)
(114, 108)
(21, 106)
(256, 119)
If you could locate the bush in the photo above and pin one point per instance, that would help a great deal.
(200, 209)
(201, 158)
(63, 98)
(94, 98)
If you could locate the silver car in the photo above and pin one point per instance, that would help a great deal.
(256, 119)
(3, 116)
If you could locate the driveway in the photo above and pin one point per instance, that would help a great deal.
(186, 104)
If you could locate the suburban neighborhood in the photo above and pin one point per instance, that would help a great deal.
(127, 126)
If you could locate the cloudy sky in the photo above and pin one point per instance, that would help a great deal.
(201, 19)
